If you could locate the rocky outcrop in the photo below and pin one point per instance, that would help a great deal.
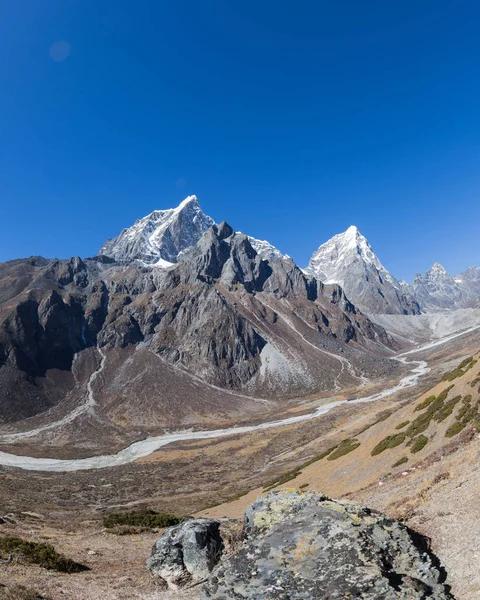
(186, 553)
(306, 546)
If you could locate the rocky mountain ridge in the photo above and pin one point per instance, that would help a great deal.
(222, 313)
(208, 302)
(347, 259)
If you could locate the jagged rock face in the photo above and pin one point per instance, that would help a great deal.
(186, 553)
(436, 290)
(40, 331)
(305, 546)
(267, 250)
(160, 236)
(349, 261)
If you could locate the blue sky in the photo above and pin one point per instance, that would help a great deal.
(291, 120)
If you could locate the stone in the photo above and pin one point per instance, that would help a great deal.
(304, 546)
(186, 554)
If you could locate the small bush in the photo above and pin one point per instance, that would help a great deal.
(447, 409)
(40, 554)
(418, 444)
(402, 425)
(285, 478)
(441, 477)
(391, 441)
(474, 382)
(462, 368)
(322, 455)
(146, 519)
(294, 473)
(401, 461)
(343, 448)
(422, 422)
(425, 403)
(454, 429)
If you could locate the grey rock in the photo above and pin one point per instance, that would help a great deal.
(303, 546)
(436, 290)
(186, 553)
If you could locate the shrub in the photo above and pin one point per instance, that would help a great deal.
(418, 443)
(322, 455)
(40, 554)
(343, 448)
(402, 425)
(447, 409)
(146, 519)
(400, 461)
(422, 422)
(391, 441)
(454, 429)
(294, 473)
(474, 382)
(425, 403)
(462, 368)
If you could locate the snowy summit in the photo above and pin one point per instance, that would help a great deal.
(348, 260)
(160, 237)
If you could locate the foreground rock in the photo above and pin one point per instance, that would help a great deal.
(186, 553)
(305, 546)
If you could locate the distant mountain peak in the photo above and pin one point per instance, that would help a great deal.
(162, 235)
(340, 250)
(438, 268)
(437, 290)
(348, 260)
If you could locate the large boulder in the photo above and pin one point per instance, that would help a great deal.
(186, 553)
(304, 546)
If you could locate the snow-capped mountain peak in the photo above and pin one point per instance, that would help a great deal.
(438, 270)
(161, 236)
(329, 261)
(265, 249)
(348, 260)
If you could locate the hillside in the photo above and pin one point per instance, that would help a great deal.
(419, 462)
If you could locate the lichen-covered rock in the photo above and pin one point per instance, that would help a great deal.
(303, 546)
(186, 553)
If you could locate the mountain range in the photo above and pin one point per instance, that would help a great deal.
(176, 309)
(347, 259)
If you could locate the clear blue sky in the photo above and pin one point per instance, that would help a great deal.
(289, 119)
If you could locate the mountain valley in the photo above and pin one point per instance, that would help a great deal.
(189, 368)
